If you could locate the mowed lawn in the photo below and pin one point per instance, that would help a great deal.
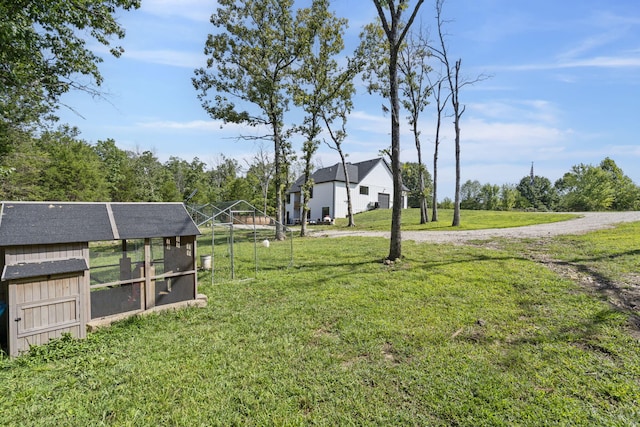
(380, 219)
(452, 335)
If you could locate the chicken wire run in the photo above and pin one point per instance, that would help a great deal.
(242, 240)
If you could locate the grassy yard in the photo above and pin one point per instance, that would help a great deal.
(452, 335)
(380, 219)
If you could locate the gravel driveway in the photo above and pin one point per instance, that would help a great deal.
(588, 221)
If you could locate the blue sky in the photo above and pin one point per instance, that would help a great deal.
(564, 89)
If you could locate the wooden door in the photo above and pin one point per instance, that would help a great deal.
(42, 309)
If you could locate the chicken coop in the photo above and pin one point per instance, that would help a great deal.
(67, 267)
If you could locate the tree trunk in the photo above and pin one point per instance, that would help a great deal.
(456, 206)
(348, 187)
(305, 208)
(456, 122)
(440, 108)
(278, 179)
(424, 209)
(395, 247)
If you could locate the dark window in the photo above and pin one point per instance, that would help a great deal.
(364, 190)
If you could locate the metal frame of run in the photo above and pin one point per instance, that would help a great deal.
(233, 216)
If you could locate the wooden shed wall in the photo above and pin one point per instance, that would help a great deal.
(43, 308)
(35, 253)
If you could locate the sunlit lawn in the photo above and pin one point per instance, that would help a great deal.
(452, 335)
(380, 219)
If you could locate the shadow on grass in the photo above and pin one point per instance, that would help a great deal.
(623, 297)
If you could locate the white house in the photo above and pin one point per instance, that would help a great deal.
(371, 184)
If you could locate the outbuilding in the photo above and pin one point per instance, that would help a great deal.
(67, 267)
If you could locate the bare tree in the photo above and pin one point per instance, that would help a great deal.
(251, 55)
(315, 83)
(455, 82)
(440, 105)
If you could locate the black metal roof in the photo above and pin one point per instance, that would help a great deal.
(34, 223)
(44, 268)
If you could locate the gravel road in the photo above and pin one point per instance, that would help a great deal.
(588, 221)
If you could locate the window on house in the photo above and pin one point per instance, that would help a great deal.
(311, 193)
(364, 190)
(288, 198)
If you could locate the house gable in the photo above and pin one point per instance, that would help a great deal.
(329, 192)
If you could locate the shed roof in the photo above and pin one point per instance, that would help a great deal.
(44, 268)
(34, 223)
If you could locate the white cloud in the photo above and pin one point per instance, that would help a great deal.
(631, 61)
(533, 110)
(217, 128)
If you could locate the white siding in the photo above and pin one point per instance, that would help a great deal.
(323, 196)
(292, 213)
(334, 195)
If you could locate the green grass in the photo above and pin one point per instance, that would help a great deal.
(452, 335)
(380, 219)
(612, 254)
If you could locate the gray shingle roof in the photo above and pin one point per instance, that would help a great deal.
(357, 172)
(33, 223)
(142, 220)
(44, 268)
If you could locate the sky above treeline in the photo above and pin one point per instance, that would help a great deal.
(563, 89)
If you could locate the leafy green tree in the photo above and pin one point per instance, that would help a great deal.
(43, 54)
(471, 195)
(626, 193)
(74, 171)
(395, 30)
(416, 90)
(251, 57)
(586, 188)
(221, 178)
(23, 167)
(153, 182)
(118, 171)
(316, 83)
(490, 196)
(537, 193)
(508, 197)
(335, 120)
(418, 180)
(446, 203)
(190, 178)
(260, 175)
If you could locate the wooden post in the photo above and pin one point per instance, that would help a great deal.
(149, 285)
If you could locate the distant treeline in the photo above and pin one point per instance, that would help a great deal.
(583, 188)
(58, 165)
